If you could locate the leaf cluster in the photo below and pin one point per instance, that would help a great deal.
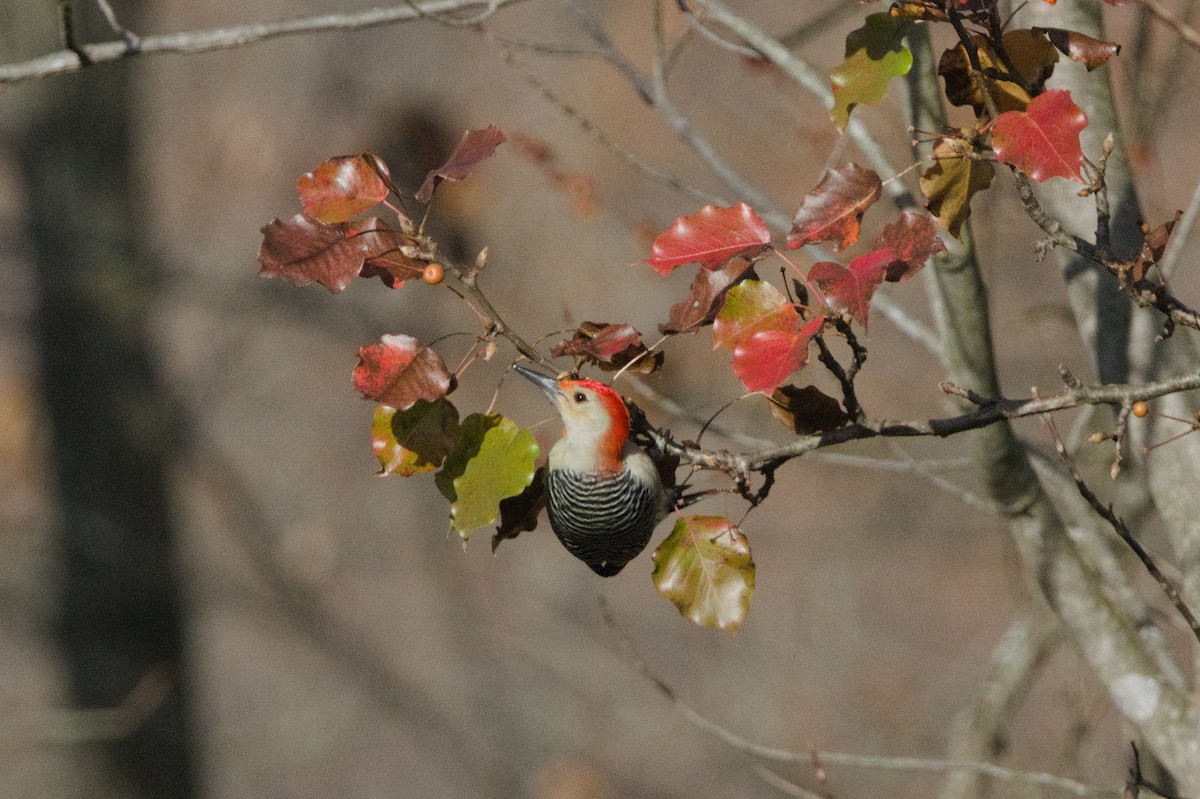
(486, 465)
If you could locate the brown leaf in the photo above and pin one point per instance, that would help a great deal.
(475, 147)
(955, 68)
(1033, 55)
(304, 250)
(1081, 47)
(710, 237)
(834, 209)
(952, 180)
(707, 294)
(807, 410)
(610, 347)
(1153, 247)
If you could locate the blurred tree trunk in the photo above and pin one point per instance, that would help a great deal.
(120, 620)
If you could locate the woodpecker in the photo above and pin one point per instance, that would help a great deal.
(604, 495)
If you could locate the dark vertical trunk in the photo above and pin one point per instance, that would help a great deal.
(120, 620)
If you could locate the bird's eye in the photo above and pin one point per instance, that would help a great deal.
(580, 397)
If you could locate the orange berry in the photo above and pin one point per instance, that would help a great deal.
(1140, 409)
(433, 274)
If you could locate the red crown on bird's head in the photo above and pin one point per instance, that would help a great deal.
(608, 396)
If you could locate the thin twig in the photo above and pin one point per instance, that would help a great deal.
(716, 38)
(1118, 525)
(842, 758)
(815, 82)
(766, 207)
(132, 40)
(66, 31)
(1166, 93)
(979, 731)
(1165, 15)
(1179, 235)
(600, 135)
(906, 323)
(202, 41)
(740, 466)
(949, 486)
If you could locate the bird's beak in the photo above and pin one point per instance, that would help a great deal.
(544, 382)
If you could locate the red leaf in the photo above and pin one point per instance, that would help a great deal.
(913, 239)
(1043, 141)
(833, 210)
(399, 370)
(848, 289)
(342, 187)
(702, 303)
(710, 237)
(475, 147)
(764, 361)
(304, 250)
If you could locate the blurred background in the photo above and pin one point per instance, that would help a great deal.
(205, 592)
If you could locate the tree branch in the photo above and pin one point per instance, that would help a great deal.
(885, 763)
(988, 412)
(1166, 16)
(202, 41)
(1107, 513)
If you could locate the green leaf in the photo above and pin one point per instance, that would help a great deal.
(415, 440)
(874, 55)
(492, 461)
(750, 307)
(880, 34)
(704, 567)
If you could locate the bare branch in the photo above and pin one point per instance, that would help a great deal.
(599, 134)
(202, 41)
(1179, 235)
(816, 83)
(1118, 524)
(1168, 17)
(841, 758)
